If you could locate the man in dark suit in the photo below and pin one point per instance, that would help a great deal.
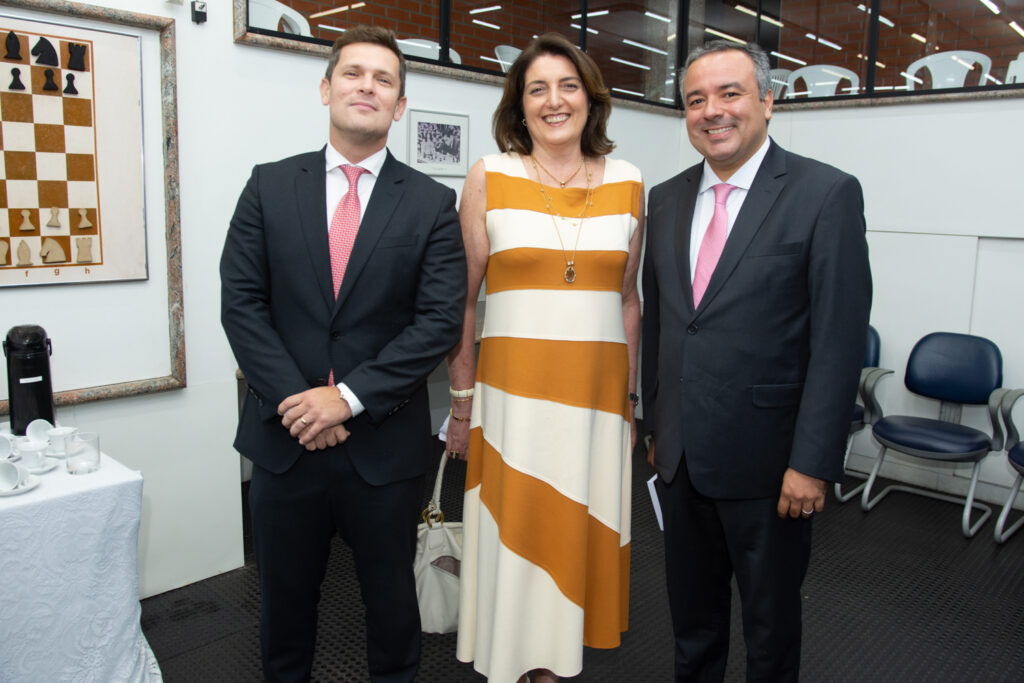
(343, 285)
(756, 301)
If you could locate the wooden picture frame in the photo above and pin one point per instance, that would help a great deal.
(89, 16)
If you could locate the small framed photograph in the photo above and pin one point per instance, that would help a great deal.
(438, 143)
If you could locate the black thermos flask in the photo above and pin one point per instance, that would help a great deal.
(29, 389)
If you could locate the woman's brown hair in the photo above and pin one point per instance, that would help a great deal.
(509, 129)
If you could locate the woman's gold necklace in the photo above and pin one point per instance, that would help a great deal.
(570, 263)
(560, 182)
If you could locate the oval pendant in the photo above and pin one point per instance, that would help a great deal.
(570, 274)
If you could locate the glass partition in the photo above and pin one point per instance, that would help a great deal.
(819, 49)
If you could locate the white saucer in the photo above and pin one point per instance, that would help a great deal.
(48, 467)
(30, 483)
(37, 430)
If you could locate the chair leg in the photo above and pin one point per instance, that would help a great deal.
(1001, 533)
(840, 496)
(866, 501)
(969, 503)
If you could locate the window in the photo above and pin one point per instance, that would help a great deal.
(818, 48)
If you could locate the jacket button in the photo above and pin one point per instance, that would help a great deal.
(692, 329)
(320, 381)
(335, 336)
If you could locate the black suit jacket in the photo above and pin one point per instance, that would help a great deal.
(399, 310)
(762, 376)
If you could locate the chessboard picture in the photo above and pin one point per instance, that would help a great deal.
(71, 166)
(438, 143)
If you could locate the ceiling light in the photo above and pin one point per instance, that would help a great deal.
(726, 36)
(764, 17)
(991, 5)
(481, 10)
(789, 59)
(827, 43)
(993, 79)
(589, 30)
(1016, 27)
(487, 25)
(643, 46)
(330, 28)
(628, 63)
(913, 78)
(652, 15)
(596, 13)
(337, 9)
(887, 22)
(628, 92)
(967, 65)
(918, 37)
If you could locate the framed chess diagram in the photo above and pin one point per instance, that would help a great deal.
(89, 195)
(71, 172)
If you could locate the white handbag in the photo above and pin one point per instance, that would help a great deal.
(438, 558)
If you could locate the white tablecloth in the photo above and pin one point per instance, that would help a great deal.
(69, 595)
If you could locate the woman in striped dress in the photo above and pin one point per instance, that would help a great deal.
(555, 226)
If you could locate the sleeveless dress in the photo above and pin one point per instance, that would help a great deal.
(545, 562)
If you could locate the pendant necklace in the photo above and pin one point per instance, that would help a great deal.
(560, 182)
(570, 263)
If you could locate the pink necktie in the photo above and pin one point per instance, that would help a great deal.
(712, 244)
(344, 226)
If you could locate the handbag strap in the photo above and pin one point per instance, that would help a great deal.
(432, 513)
(436, 498)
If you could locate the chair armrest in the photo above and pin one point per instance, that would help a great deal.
(868, 379)
(1012, 435)
(994, 401)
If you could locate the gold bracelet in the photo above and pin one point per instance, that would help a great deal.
(457, 419)
(461, 393)
(462, 400)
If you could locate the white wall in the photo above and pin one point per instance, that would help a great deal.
(946, 236)
(239, 105)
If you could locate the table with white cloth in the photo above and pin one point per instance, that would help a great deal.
(69, 589)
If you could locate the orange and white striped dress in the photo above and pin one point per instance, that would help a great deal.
(545, 565)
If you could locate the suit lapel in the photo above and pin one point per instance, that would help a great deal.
(387, 192)
(682, 218)
(311, 194)
(767, 185)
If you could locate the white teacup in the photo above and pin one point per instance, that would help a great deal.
(11, 476)
(59, 436)
(32, 453)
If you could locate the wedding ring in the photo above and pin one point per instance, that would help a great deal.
(453, 454)
(808, 513)
(303, 420)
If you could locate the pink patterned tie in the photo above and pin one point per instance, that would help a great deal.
(712, 244)
(344, 226)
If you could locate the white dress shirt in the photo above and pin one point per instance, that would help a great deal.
(337, 186)
(704, 209)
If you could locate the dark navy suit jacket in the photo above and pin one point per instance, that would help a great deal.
(763, 375)
(399, 310)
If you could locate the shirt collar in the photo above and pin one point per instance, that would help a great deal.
(372, 163)
(743, 177)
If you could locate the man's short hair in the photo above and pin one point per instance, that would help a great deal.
(762, 70)
(374, 35)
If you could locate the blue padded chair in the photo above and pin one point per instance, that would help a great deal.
(957, 370)
(867, 412)
(1015, 454)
